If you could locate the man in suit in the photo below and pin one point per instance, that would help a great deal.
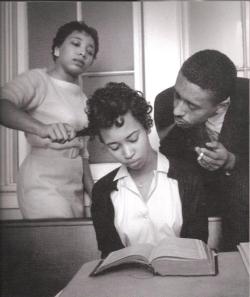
(204, 120)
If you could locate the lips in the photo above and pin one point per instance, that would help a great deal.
(79, 62)
(181, 123)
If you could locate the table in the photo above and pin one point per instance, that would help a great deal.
(231, 281)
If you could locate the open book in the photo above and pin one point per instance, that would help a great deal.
(244, 249)
(172, 256)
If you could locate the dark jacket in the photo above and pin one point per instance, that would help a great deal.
(195, 222)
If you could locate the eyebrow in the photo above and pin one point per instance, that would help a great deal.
(178, 94)
(131, 134)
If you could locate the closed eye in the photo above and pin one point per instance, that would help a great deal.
(133, 138)
(113, 146)
(76, 42)
(192, 106)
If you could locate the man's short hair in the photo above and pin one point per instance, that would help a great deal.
(211, 70)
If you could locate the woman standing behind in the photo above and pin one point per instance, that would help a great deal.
(149, 197)
(49, 106)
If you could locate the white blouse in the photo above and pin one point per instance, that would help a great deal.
(138, 221)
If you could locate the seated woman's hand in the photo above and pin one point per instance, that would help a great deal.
(58, 132)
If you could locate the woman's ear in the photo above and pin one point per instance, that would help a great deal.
(56, 52)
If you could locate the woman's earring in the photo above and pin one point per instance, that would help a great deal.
(56, 52)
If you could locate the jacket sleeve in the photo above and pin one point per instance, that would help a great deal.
(102, 213)
(235, 130)
(195, 219)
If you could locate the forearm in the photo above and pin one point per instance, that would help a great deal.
(14, 118)
(87, 177)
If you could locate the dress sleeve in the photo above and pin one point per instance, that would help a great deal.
(26, 91)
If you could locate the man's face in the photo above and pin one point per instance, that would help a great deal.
(192, 105)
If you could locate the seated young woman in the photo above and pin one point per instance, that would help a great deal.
(149, 197)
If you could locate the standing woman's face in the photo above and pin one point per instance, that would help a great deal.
(76, 53)
(129, 144)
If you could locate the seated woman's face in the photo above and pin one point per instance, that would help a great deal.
(129, 144)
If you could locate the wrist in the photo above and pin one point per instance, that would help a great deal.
(85, 154)
(40, 129)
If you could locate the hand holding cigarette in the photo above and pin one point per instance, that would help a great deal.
(215, 156)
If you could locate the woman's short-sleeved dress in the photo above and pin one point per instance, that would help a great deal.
(49, 183)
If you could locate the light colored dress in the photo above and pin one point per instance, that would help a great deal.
(49, 183)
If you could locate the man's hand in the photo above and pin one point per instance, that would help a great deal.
(215, 156)
(58, 132)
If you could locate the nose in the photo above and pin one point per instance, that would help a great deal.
(179, 108)
(83, 53)
(128, 151)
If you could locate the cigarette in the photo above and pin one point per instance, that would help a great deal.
(201, 155)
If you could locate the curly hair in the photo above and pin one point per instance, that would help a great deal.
(107, 104)
(211, 70)
(64, 31)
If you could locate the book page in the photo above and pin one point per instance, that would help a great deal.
(140, 252)
(244, 249)
(179, 248)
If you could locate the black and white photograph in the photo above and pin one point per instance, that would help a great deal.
(124, 160)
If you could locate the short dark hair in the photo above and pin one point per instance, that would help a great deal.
(211, 70)
(116, 99)
(64, 31)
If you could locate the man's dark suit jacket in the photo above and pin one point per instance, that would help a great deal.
(227, 193)
(195, 221)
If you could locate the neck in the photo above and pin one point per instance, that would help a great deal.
(61, 75)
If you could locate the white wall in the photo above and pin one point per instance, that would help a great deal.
(162, 49)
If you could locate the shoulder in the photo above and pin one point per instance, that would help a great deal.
(105, 184)
(163, 108)
(39, 75)
(240, 99)
(165, 96)
(242, 85)
(241, 90)
(36, 78)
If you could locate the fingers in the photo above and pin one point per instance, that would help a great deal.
(213, 157)
(60, 132)
(71, 132)
(208, 163)
(213, 145)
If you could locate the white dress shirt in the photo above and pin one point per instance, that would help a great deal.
(214, 123)
(138, 221)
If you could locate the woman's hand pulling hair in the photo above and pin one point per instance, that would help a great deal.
(58, 132)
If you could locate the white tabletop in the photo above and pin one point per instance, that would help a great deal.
(231, 281)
